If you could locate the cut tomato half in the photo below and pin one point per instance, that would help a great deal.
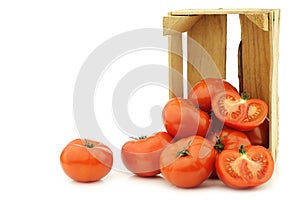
(238, 113)
(247, 167)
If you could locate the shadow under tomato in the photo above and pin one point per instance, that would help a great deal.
(73, 182)
(145, 178)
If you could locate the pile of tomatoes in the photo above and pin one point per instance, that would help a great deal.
(214, 133)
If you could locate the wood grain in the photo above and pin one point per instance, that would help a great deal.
(208, 33)
(255, 59)
(175, 65)
(178, 23)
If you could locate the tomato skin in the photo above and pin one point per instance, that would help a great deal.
(238, 113)
(230, 139)
(203, 91)
(191, 168)
(181, 119)
(141, 156)
(238, 170)
(260, 135)
(86, 164)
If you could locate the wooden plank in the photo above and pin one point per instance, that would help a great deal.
(220, 11)
(258, 66)
(255, 59)
(210, 33)
(273, 90)
(175, 65)
(178, 23)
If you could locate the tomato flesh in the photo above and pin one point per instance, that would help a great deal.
(238, 113)
(251, 168)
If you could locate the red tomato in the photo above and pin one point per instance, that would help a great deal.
(86, 160)
(238, 113)
(203, 91)
(188, 162)
(247, 167)
(141, 156)
(181, 119)
(260, 135)
(230, 139)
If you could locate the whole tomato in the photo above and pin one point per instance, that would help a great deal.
(239, 112)
(260, 135)
(203, 91)
(229, 139)
(245, 167)
(188, 162)
(141, 155)
(182, 119)
(86, 160)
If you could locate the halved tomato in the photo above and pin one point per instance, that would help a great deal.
(237, 112)
(246, 167)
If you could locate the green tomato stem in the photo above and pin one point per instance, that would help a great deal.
(242, 150)
(88, 144)
(184, 152)
(139, 137)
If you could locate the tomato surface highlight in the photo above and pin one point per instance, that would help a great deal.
(86, 160)
(188, 162)
(182, 119)
(238, 113)
(246, 167)
(141, 155)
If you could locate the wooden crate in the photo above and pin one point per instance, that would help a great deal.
(257, 53)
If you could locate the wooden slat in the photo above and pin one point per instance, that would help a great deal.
(273, 90)
(221, 11)
(175, 65)
(178, 23)
(259, 68)
(210, 33)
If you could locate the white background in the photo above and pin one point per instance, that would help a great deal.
(42, 47)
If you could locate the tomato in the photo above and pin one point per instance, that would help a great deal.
(230, 139)
(238, 113)
(86, 160)
(181, 119)
(188, 162)
(141, 156)
(203, 91)
(260, 135)
(246, 167)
